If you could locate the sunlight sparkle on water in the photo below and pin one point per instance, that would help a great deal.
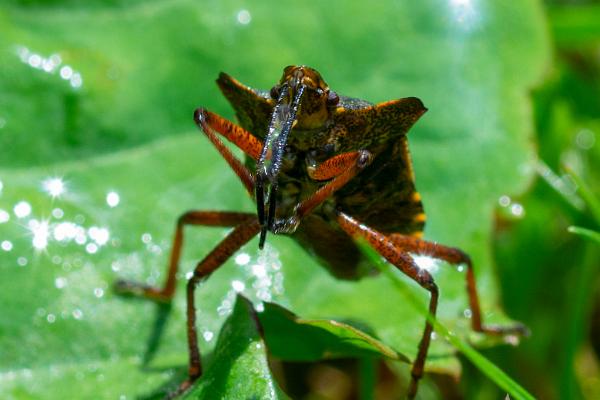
(427, 263)
(238, 286)
(208, 335)
(54, 186)
(22, 209)
(49, 65)
(112, 199)
(464, 13)
(242, 259)
(41, 232)
(4, 216)
(99, 235)
(6, 245)
(244, 17)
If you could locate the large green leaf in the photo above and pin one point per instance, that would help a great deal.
(144, 66)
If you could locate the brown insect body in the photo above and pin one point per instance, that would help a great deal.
(382, 196)
(324, 169)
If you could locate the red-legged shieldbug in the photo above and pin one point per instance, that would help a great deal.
(326, 170)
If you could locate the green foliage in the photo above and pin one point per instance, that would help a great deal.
(143, 68)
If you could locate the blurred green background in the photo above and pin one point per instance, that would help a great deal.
(99, 155)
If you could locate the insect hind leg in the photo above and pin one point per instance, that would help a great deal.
(455, 256)
(404, 262)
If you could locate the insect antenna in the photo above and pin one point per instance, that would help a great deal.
(269, 162)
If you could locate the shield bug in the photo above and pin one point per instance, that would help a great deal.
(326, 170)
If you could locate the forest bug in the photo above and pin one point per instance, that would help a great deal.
(324, 169)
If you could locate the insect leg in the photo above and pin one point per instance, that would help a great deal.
(404, 262)
(456, 256)
(342, 168)
(202, 218)
(212, 124)
(236, 239)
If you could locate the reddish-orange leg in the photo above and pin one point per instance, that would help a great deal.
(456, 256)
(395, 249)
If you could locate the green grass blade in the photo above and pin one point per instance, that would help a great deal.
(587, 233)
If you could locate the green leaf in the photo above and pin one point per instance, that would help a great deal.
(291, 338)
(239, 368)
(144, 67)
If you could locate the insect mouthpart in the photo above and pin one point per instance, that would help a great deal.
(269, 163)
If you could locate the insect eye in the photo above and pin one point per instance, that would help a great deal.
(275, 92)
(332, 98)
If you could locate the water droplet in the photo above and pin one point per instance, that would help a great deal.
(54, 186)
(56, 260)
(98, 292)
(585, 139)
(35, 60)
(207, 335)
(461, 268)
(189, 275)
(238, 286)
(22, 209)
(99, 235)
(433, 335)
(146, 238)
(60, 282)
(4, 216)
(58, 213)
(66, 72)
(41, 232)
(77, 314)
(468, 313)
(517, 210)
(259, 270)
(115, 266)
(22, 261)
(79, 219)
(64, 231)
(260, 307)
(80, 236)
(242, 259)
(504, 201)
(244, 17)
(76, 80)
(51, 318)
(6, 245)
(427, 263)
(113, 199)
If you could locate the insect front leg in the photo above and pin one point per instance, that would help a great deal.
(197, 218)
(211, 124)
(404, 262)
(456, 256)
(340, 169)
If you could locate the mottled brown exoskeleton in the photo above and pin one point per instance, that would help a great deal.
(326, 170)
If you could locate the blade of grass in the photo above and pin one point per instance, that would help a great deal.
(483, 364)
(591, 201)
(587, 233)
